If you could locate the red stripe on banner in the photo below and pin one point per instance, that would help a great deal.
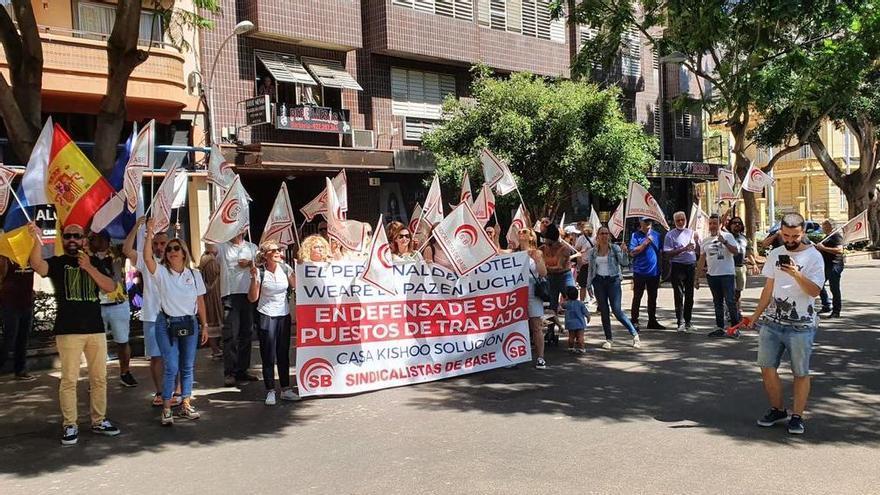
(89, 203)
(357, 323)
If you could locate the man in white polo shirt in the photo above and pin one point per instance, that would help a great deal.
(236, 258)
(718, 250)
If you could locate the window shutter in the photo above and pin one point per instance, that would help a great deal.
(529, 18)
(425, 5)
(514, 16)
(543, 13)
(484, 15)
(464, 9)
(445, 8)
(631, 58)
(557, 30)
(399, 92)
(655, 110)
(498, 13)
(403, 3)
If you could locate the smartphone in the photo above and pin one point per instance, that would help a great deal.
(784, 259)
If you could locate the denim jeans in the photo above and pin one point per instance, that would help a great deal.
(774, 339)
(608, 295)
(558, 282)
(179, 356)
(682, 279)
(832, 275)
(274, 334)
(16, 327)
(723, 289)
(238, 326)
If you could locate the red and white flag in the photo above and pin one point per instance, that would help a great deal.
(432, 211)
(484, 206)
(220, 171)
(856, 229)
(617, 222)
(497, 173)
(414, 218)
(756, 180)
(6, 176)
(466, 194)
(349, 233)
(379, 271)
(318, 205)
(462, 238)
(699, 222)
(279, 225)
(642, 204)
(727, 185)
(520, 221)
(160, 209)
(141, 159)
(232, 216)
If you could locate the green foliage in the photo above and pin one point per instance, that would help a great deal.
(557, 136)
(176, 21)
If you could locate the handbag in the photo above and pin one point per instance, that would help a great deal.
(180, 326)
(542, 287)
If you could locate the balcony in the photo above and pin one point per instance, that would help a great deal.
(75, 75)
(328, 24)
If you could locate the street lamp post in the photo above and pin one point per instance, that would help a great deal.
(672, 58)
(240, 28)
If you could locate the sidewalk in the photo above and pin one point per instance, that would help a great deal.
(674, 417)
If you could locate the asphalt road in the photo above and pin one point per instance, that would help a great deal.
(677, 416)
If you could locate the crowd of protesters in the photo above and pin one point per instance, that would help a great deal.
(238, 288)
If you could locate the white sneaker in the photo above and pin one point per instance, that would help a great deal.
(289, 394)
(270, 398)
(637, 342)
(607, 345)
(682, 328)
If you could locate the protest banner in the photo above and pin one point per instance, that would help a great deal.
(354, 337)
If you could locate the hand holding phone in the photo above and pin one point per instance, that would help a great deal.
(784, 259)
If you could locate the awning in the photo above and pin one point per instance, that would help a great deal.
(285, 68)
(331, 73)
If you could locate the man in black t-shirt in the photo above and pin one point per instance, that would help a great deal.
(832, 252)
(76, 279)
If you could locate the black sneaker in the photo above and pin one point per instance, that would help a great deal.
(773, 417)
(24, 376)
(127, 380)
(105, 428)
(796, 425)
(229, 381)
(834, 314)
(70, 435)
(653, 325)
(718, 332)
(541, 364)
(246, 377)
(825, 309)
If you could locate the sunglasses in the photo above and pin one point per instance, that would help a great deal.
(173, 247)
(275, 250)
(404, 236)
(67, 237)
(604, 233)
(524, 231)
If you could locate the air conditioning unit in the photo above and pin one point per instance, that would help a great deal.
(363, 139)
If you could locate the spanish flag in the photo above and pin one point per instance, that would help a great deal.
(73, 184)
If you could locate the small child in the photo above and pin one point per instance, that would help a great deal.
(576, 318)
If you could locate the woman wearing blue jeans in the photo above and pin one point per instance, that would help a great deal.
(604, 275)
(181, 298)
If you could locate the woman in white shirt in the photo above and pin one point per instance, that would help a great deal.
(270, 286)
(606, 260)
(181, 297)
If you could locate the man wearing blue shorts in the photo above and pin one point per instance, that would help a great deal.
(795, 274)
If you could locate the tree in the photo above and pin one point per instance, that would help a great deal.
(20, 104)
(726, 43)
(838, 81)
(557, 136)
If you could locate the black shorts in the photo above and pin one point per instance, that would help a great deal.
(582, 275)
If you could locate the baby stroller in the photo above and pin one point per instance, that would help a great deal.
(553, 326)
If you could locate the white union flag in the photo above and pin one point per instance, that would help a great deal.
(463, 240)
(379, 271)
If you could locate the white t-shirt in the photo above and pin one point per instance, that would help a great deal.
(150, 307)
(719, 259)
(584, 245)
(178, 292)
(602, 268)
(235, 279)
(273, 292)
(790, 304)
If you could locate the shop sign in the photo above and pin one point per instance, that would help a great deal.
(257, 110)
(313, 119)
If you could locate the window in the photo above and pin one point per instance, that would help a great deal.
(682, 124)
(100, 18)
(655, 117)
(418, 97)
(527, 17)
(458, 9)
(631, 56)
(805, 152)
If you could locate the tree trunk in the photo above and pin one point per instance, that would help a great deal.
(123, 57)
(20, 102)
(741, 167)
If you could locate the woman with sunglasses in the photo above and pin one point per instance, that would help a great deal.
(270, 286)
(737, 227)
(402, 246)
(181, 299)
(604, 276)
(528, 242)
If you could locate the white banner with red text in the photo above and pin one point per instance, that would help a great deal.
(354, 337)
